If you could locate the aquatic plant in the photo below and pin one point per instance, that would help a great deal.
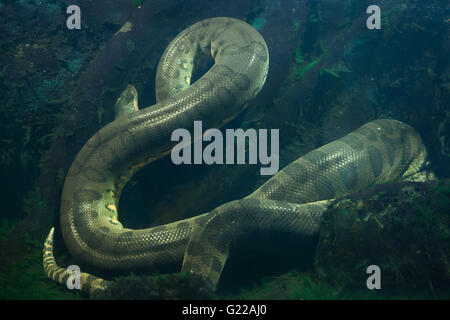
(26, 279)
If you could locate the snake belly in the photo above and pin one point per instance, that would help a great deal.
(88, 218)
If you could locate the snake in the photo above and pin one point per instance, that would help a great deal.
(291, 201)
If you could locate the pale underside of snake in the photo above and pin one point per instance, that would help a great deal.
(292, 201)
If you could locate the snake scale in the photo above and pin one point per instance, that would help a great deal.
(291, 201)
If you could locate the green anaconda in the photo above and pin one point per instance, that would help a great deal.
(291, 201)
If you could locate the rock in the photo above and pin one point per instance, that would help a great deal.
(402, 228)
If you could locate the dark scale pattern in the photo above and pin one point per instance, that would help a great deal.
(325, 190)
(315, 156)
(215, 264)
(106, 154)
(390, 147)
(349, 176)
(104, 229)
(163, 95)
(160, 82)
(353, 141)
(376, 160)
(95, 175)
(85, 195)
(183, 225)
(407, 149)
(75, 169)
(241, 82)
(230, 50)
(196, 248)
(298, 171)
(368, 133)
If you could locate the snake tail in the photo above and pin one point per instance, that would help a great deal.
(89, 283)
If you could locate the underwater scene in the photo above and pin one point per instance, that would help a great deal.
(227, 150)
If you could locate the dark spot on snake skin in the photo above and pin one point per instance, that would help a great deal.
(205, 109)
(75, 169)
(222, 71)
(352, 141)
(202, 220)
(161, 82)
(113, 192)
(178, 88)
(389, 145)
(229, 50)
(107, 206)
(51, 274)
(104, 229)
(268, 187)
(325, 190)
(126, 139)
(241, 82)
(200, 36)
(122, 242)
(176, 74)
(85, 195)
(163, 95)
(90, 214)
(94, 175)
(58, 273)
(297, 171)
(205, 24)
(95, 141)
(129, 142)
(315, 157)
(64, 278)
(194, 248)
(221, 43)
(376, 160)
(349, 176)
(127, 234)
(225, 98)
(406, 154)
(90, 279)
(183, 225)
(215, 264)
(333, 162)
(222, 244)
(218, 32)
(106, 154)
(368, 133)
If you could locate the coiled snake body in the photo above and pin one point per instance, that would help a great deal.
(291, 201)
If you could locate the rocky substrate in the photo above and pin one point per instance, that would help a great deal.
(402, 228)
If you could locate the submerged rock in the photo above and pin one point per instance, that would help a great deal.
(402, 228)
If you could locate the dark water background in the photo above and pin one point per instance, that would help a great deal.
(328, 75)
